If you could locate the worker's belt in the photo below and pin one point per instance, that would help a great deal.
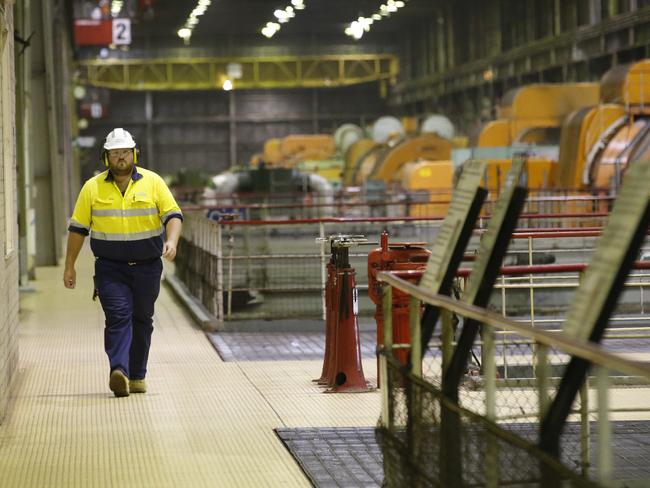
(131, 263)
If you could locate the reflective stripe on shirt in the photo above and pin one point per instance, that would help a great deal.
(132, 236)
(128, 212)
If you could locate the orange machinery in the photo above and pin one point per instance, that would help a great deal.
(356, 153)
(625, 139)
(430, 185)
(384, 161)
(290, 150)
(532, 115)
(596, 141)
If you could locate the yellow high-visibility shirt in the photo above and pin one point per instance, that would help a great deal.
(125, 227)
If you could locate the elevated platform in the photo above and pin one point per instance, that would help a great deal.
(203, 422)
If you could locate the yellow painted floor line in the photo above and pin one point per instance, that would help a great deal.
(202, 423)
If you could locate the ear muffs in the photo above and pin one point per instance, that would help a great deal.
(104, 157)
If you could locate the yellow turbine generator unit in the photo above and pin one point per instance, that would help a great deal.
(395, 158)
(578, 140)
(530, 120)
(389, 163)
(355, 153)
(381, 159)
(627, 138)
(287, 152)
(597, 142)
(429, 185)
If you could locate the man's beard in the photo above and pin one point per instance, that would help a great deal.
(120, 170)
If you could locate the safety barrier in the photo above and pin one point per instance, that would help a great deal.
(275, 269)
(272, 269)
(589, 207)
(490, 437)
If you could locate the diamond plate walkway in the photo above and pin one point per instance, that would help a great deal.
(202, 423)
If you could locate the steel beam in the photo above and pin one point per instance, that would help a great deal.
(563, 51)
(209, 73)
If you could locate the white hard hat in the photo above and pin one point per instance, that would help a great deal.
(119, 139)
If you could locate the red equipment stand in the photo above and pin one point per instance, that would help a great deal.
(330, 330)
(397, 256)
(342, 368)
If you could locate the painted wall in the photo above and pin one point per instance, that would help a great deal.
(8, 211)
(211, 130)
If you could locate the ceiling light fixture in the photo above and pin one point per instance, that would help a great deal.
(357, 28)
(282, 16)
(116, 7)
(192, 20)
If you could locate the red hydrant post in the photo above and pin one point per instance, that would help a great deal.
(396, 256)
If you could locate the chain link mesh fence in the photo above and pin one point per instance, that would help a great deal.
(427, 441)
(275, 270)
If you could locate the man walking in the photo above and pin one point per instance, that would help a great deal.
(133, 220)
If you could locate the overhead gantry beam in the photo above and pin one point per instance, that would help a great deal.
(210, 73)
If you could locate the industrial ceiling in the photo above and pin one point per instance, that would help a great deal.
(247, 17)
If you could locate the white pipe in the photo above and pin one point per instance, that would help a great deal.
(223, 184)
(324, 192)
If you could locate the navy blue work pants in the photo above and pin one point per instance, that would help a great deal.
(127, 294)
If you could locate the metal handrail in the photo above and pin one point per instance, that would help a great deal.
(593, 353)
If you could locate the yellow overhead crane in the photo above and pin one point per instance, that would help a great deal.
(266, 72)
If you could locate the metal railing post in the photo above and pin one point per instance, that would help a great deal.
(231, 250)
(248, 251)
(584, 427)
(447, 334)
(415, 419)
(214, 246)
(387, 316)
(542, 373)
(220, 288)
(504, 340)
(490, 375)
(323, 269)
(531, 281)
(416, 339)
(604, 427)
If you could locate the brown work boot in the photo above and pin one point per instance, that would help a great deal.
(137, 386)
(119, 383)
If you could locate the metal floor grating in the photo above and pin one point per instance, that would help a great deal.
(279, 346)
(336, 457)
(351, 457)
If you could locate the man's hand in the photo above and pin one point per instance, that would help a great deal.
(75, 241)
(69, 278)
(169, 250)
(173, 230)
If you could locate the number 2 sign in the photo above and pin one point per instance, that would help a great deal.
(121, 31)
